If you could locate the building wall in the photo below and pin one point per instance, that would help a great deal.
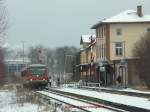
(82, 57)
(131, 33)
(101, 34)
(87, 55)
(93, 53)
(86, 59)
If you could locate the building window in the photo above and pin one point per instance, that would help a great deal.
(100, 30)
(98, 33)
(119, 48)
(119, 31)
(104, 30)
(97, 51)
(102, 50)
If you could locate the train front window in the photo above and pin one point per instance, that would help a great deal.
(37, 71)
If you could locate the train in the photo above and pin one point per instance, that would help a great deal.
(35, 76)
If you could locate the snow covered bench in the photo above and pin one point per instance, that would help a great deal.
(91, 84)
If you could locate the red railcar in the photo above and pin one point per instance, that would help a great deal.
(35, 75)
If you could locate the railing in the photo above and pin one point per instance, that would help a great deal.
(70, 85)
(81, 84)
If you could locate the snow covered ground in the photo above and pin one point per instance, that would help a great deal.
(125, 89)
(122, 99)
(136, 91)
(80, 104)
(116, 89)
(10, 103)
(14, 101)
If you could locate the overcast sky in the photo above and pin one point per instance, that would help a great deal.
(55, 23)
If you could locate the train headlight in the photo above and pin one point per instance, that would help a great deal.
(31, 80)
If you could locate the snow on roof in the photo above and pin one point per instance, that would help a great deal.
(17, 61)
(128, 16)
(87, 38)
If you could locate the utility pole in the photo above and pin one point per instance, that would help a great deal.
(8, 72)
(23, 42)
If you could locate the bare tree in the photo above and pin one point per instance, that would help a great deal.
(142, 52)
(3, 21)
(55, 58)
(65, 63)
(2, 68)
(33, 54)
(3, 27)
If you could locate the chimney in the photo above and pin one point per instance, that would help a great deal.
(139, 11)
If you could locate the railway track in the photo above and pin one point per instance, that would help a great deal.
(79, 102)
(102, 101)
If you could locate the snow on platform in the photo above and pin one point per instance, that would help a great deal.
(127, 91)
(79, 104)
(135, 91)
(121, 99)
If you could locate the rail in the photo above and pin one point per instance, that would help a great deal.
(117, 91)
(123, 107)
(89, 103)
